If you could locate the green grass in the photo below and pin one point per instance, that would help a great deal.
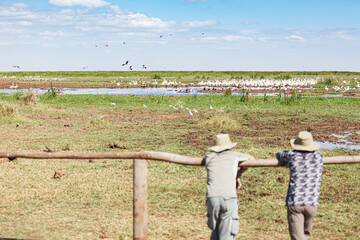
(95, 199)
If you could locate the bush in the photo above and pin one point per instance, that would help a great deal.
(7, 109)
(221, 122)
(29, 98)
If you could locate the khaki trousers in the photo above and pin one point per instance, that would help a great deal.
(223, 218)
(301, 220)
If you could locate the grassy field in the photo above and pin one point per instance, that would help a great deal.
(94, 199)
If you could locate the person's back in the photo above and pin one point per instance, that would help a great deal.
(306, 166)
(221, 171)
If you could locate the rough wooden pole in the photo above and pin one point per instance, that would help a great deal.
(140, 199)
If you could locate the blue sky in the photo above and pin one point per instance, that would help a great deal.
(202, 35)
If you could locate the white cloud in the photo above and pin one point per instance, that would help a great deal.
(19, 5)
(250, 23)
(210, 38)
(24, 23)
(52, 34)
(248, 31)
(342, 35)
(86, 3)
(200, 23)
(231, 38)
(296, 38)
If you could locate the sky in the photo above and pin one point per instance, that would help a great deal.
(180, 35)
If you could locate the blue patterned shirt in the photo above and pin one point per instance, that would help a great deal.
(305, 176)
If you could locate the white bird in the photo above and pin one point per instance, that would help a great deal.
(175, 108)
(112, 104)
(170, 105)
(211, 107)
(13, 86)
(144, 106)
(195, 110)
(190, 112)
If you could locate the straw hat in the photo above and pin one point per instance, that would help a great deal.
(304, 142)
(223, 142)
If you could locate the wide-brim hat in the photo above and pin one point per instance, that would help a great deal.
(304, 142)
(223, 142)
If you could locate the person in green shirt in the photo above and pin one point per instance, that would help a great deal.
(223, 179)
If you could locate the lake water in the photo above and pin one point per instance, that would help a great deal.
(161, 91)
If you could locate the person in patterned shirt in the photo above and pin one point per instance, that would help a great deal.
(306, 166)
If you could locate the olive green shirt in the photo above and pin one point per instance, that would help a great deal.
(221, 172)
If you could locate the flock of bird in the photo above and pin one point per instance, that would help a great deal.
(131, 67)
(250, 84)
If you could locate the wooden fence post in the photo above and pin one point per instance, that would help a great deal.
(140, 199)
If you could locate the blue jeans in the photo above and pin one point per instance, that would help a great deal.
(223, 217)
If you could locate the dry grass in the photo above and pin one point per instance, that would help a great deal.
(29, 98)
(7, 109)
(221, 123)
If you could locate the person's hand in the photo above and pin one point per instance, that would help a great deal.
(238, 183)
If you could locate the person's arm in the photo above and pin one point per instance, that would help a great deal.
(241, 171)
(282, 158)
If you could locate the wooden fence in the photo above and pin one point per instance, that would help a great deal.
(140, 173)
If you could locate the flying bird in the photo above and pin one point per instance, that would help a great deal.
(131, 67)
(161, 36)
(126, 63)
(16, 67)
(107, 45)
(144, 66)
(124, 43)
(85, 67)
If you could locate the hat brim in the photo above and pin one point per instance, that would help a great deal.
(313, 147)
(222, 148)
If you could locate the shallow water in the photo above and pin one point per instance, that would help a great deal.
(342, 142)
(169, 91)
(332, 146)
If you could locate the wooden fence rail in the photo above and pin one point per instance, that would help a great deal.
(140, 173)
